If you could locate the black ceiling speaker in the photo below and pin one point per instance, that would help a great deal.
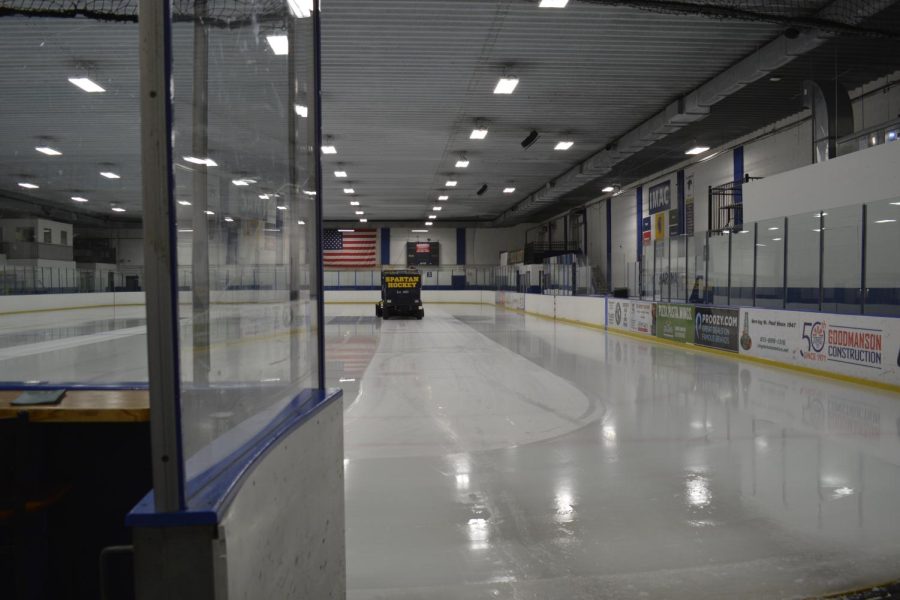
(530, 139)
(482, 189)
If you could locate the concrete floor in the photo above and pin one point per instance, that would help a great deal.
(494, 455)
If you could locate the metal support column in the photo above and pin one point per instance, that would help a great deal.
(157, 189)
(728, 301)
(784, 269)
(296, 237)
(821, 259)
(863, 292)
(755, 258)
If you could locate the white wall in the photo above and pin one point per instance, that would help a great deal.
(863, 176)
(484, 245)
(880, 105)
(624, 235)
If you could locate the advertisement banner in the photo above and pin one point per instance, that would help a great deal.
(716, 327)
(630, 315)
(646, 231)
(659, 228)
(689, 205)
(859, 346)
(675, 322)
(660, 197)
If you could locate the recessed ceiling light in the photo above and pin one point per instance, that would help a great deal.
(437, 208)
(608, 189)
(301, 222)
(360, 212)
(443, 198)
(329, 150)
(346, 230)
(209, 212)
(776, 79)
(86, 84)
(697, 150)
(506, 85)
(773, 228)
(553, 3)
(229, 220)
(363, 220)
(451, 183)
(896, 203)
(887, 221)
(110, 175)
(28, 186)
(761, 245)
(340, 174)
(349, 191)
(201, 161)
(300, 8)
(264, 196)
(301, 110)
(354, 203)
(185, 231)
(79, 199)
(118, 209)
(419, 230)
(509, 190)
(432, 216)
(240, 182)
(281, 207)
(181, 202)
(563, 145)
(462, 163)
(429, 223)
(309, 192)
(776, 239)
(478, 133)
(48, 151)
(278, 44)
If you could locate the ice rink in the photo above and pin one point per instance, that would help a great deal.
(495, 455)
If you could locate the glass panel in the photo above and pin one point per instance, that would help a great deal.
(803, 261)
(842, 260)
(58, 138)
(717, 286)
(742, 267)
(770, 263)
(882, 252)
(661, 269)
(647, 261)
(245, 170)
(696, 267)
(678, 270)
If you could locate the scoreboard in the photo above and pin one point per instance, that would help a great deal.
(423, 253)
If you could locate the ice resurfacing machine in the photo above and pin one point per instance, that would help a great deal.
(401, 294)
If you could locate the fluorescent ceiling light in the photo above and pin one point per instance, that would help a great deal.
(744, 231)
(360, 212)
(86, 84)
(887, 221)
(438, 208)
(896, 203)
(48, 151)
(553, 3)
(462, 163)
(185, 231)
(340, 174)
(363, 220)
(820, 215)
(301, 110)
(509, 190)
(309, 192)
(697, 150)
(563, 145)
(429, 223)
(209, 212)
(478, 133)
(300, 8)
(773, 229)
(79, 199)
(608, 189)
(710, 157)
(181, 202)
(329, 150)
(278, 44)
(506, 85)
(775, 78)
(28, 186)
(280, 207)
(110, 175)
(229, 220)
(450, 183)
(419, 230)
(118, 209)
(346, 230)
(432, 216)
(301, 222)
(354, 203)
(776, 239)
(349, 191)
(264, 196)
(761, 245)
(201, 161)
(241, 182)
(443, 198)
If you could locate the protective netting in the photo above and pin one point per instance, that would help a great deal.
(222, 13)
(846, 17)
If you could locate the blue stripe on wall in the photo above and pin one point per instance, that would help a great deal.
(460, 245)
(385, 246)
(640, 221)
(680, 186)
(609, 260)
(738, 157)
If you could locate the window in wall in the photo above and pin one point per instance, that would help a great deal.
(64, 238)
(24, 234)
(48, 235)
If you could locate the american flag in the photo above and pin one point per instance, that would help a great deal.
(349, 250)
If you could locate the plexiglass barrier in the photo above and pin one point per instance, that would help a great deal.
(840, 260)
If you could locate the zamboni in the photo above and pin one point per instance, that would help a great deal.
(401, 294)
